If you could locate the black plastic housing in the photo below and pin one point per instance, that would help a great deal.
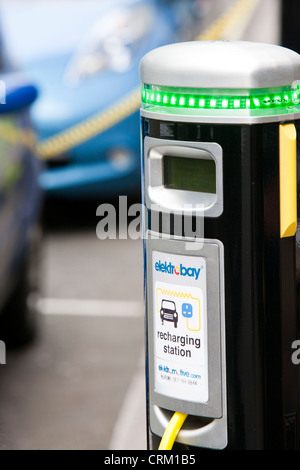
(260, 284)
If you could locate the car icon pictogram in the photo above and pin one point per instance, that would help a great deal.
(168, 312)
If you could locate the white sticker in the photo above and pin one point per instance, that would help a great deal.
(180, 326)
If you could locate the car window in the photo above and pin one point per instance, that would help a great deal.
(168, 305)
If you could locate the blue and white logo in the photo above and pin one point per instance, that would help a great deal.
(180, 270)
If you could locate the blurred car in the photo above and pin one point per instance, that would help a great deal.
(84, 57)
(20, 209)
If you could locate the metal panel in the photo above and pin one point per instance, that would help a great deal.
(212, 432)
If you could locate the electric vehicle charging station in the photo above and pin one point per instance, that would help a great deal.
(219, 122)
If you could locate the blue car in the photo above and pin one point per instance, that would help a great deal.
(84, 56)
(20, 209)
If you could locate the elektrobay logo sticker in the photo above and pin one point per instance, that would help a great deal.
(179, 270)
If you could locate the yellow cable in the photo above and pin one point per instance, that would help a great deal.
(76, 135)
(231, 17)
(172, 431)
(66, 140)
(86, 130)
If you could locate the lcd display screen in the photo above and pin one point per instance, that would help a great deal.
(190, 174)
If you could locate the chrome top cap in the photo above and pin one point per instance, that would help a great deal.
(220, 64)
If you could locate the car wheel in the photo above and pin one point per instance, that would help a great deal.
(19, 319)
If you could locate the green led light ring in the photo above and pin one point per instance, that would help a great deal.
(222, 99)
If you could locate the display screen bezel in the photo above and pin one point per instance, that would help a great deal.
(160, 198)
